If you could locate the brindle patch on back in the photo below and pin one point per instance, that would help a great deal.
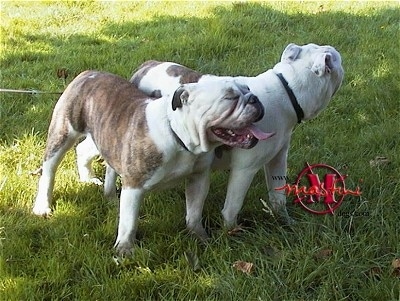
(142, 71)
(186, 75)
(58, 134)
(112, 110)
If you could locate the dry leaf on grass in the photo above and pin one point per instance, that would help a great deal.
(243, 266)
(379, 161)
(323, 254)
(374, 272)
(396, 267)
(396, 263)
(62, 73)
(238, 229)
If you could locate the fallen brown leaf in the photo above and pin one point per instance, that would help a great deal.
(396, 267)
(243, 266)
(62, 73)
(323, 254)
(396, 273)
(396, 263)
(374, 272)
(235, 230)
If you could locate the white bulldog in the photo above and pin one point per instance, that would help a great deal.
(297, 89)
(150, 143)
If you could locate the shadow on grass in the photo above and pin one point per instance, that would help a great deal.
(245, 39)
(75, 245)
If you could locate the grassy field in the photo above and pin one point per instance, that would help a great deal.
(322, 257)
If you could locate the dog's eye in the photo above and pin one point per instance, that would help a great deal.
(233, 97)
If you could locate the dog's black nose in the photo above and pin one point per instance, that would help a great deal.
(253, 99)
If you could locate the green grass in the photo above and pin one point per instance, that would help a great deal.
(70, 256)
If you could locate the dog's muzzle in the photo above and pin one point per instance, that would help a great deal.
(249, 135)
(253, 100)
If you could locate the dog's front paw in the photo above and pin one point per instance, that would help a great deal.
(279, 211)
(230, 224)
(286, 221)
(92, 180)
(42, 211)
(283, 217)
(200, 233)
(124, 249)
(96, 181)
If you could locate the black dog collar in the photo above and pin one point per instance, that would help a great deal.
(293, 99)
(179, 140)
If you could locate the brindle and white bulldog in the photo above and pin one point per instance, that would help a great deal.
(297, 89)
(150, 143)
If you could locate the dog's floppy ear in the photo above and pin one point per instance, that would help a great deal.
(290, 53)
(181, 96)
(323, 64)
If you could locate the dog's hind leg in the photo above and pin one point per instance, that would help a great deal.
(128, 219)
(110, 189)
(58, 143)
(86, 151)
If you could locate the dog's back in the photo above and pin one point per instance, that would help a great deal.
(96, 102)
(168, 77)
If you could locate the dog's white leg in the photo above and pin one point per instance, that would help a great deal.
(86, 151)
(128, 219)
(239, 183)
(54, 155)
(110, 189)
(45, 188)
(275, 176)
(196, 191)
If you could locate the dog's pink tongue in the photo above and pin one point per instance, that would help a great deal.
(259, 134)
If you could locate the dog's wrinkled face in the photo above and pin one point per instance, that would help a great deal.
(219, 111)
(321, 60)
(319, 68)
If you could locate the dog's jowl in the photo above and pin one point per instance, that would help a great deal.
(151, 143)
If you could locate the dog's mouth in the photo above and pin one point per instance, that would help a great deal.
(243, 138)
